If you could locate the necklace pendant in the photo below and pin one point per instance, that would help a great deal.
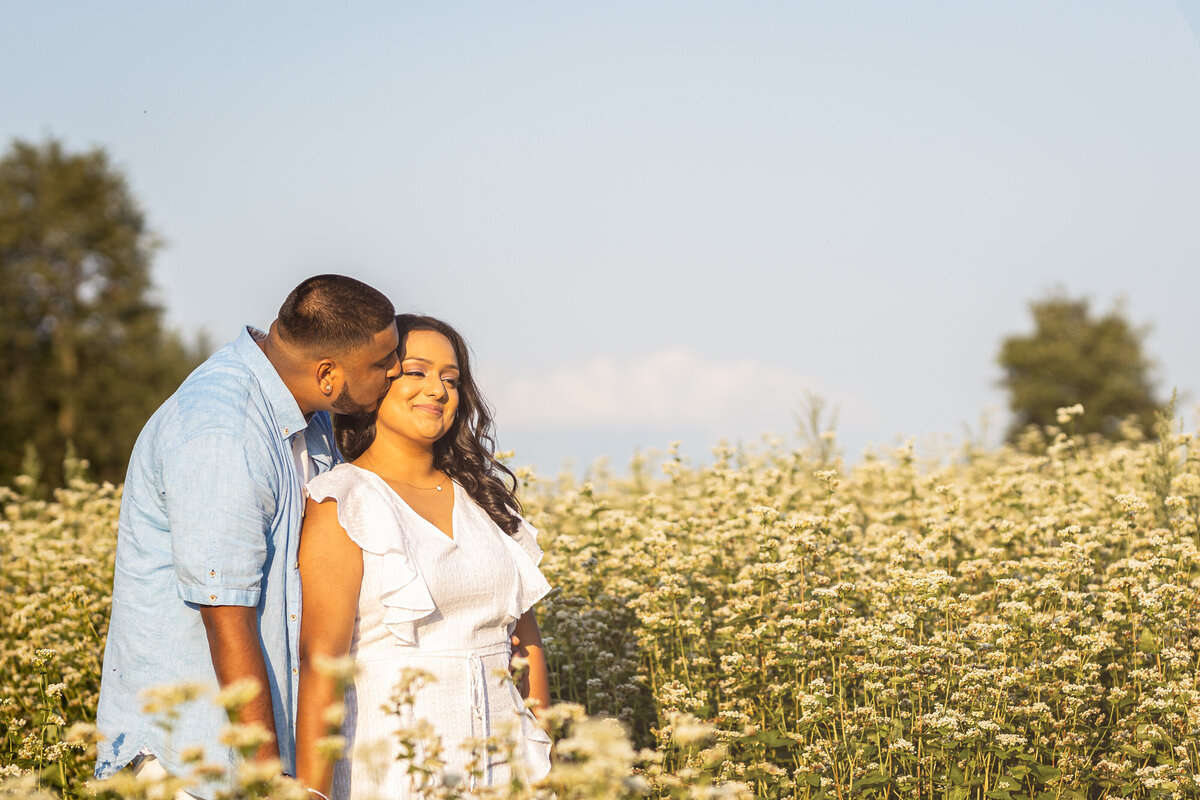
(439, 488)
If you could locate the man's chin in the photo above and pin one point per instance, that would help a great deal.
(356, 411)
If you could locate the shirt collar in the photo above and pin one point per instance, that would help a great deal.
(284, 409)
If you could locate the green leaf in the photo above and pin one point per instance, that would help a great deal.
(999, 794)
(1044, 772)
(774, 738)
(873, 779)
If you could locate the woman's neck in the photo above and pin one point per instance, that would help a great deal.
(409, 463)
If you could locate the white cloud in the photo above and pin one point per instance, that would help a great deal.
(668, 389)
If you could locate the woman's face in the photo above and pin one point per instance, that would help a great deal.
(422, 401)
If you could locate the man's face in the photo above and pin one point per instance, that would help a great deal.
(367, 373)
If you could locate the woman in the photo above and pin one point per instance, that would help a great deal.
(412, 556)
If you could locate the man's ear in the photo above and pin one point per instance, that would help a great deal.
(327, 374)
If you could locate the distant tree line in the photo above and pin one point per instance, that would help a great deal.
(85, 355)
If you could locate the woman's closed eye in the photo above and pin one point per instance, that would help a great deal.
(449, 380)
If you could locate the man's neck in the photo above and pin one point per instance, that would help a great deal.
(286, 365)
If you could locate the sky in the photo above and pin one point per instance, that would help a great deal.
(658, 221)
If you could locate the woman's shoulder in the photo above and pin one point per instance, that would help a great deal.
(340, 483)
(527, 537)
(356, 492)
(362, 509)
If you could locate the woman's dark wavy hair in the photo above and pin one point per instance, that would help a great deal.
(466, 451)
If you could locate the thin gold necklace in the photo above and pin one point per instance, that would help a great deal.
(437, 488)
(420, 488)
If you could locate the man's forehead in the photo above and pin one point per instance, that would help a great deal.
(388, 338)
(381, 347)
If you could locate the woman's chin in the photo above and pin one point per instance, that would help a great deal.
(426, 438)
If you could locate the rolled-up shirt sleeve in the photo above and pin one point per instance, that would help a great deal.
(220, 509)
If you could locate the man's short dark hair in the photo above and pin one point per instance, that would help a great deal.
(332, 314)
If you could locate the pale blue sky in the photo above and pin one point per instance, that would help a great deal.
(656, 221)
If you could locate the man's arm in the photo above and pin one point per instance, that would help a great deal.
(220, 502)
(233, 643)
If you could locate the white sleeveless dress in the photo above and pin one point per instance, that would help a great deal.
(446, 606)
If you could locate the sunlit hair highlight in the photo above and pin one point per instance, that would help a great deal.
(466, 452)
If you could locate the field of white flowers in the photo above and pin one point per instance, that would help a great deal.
(1013, 623)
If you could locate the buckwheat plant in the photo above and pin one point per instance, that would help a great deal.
(1017, 623)
(1011, 624)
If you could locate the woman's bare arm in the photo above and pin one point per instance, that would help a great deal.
(331, 569)
(536, 683)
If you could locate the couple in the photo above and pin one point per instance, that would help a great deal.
(412, 555)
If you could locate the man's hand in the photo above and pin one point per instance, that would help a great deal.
(236, 653)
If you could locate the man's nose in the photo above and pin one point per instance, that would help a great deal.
(394, 372)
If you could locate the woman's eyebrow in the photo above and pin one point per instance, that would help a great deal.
(427, 361)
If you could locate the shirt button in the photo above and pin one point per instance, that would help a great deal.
(285, 431)
(293, 616)
(212, 597)
(212, 573)
(296, 565)
(295, 671)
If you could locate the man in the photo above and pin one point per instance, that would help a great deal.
(206, 588)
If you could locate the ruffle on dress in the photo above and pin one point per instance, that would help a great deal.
(535, 742)
(531, 586)
(403, 593)
(526, 536)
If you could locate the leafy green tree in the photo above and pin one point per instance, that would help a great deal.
(86, 358)
(1073, 357)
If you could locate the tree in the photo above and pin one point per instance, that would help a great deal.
(86, 358)
(1074, 358)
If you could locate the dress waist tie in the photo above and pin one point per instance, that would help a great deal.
(481, 722)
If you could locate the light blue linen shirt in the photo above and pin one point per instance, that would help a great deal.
(210, 516)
